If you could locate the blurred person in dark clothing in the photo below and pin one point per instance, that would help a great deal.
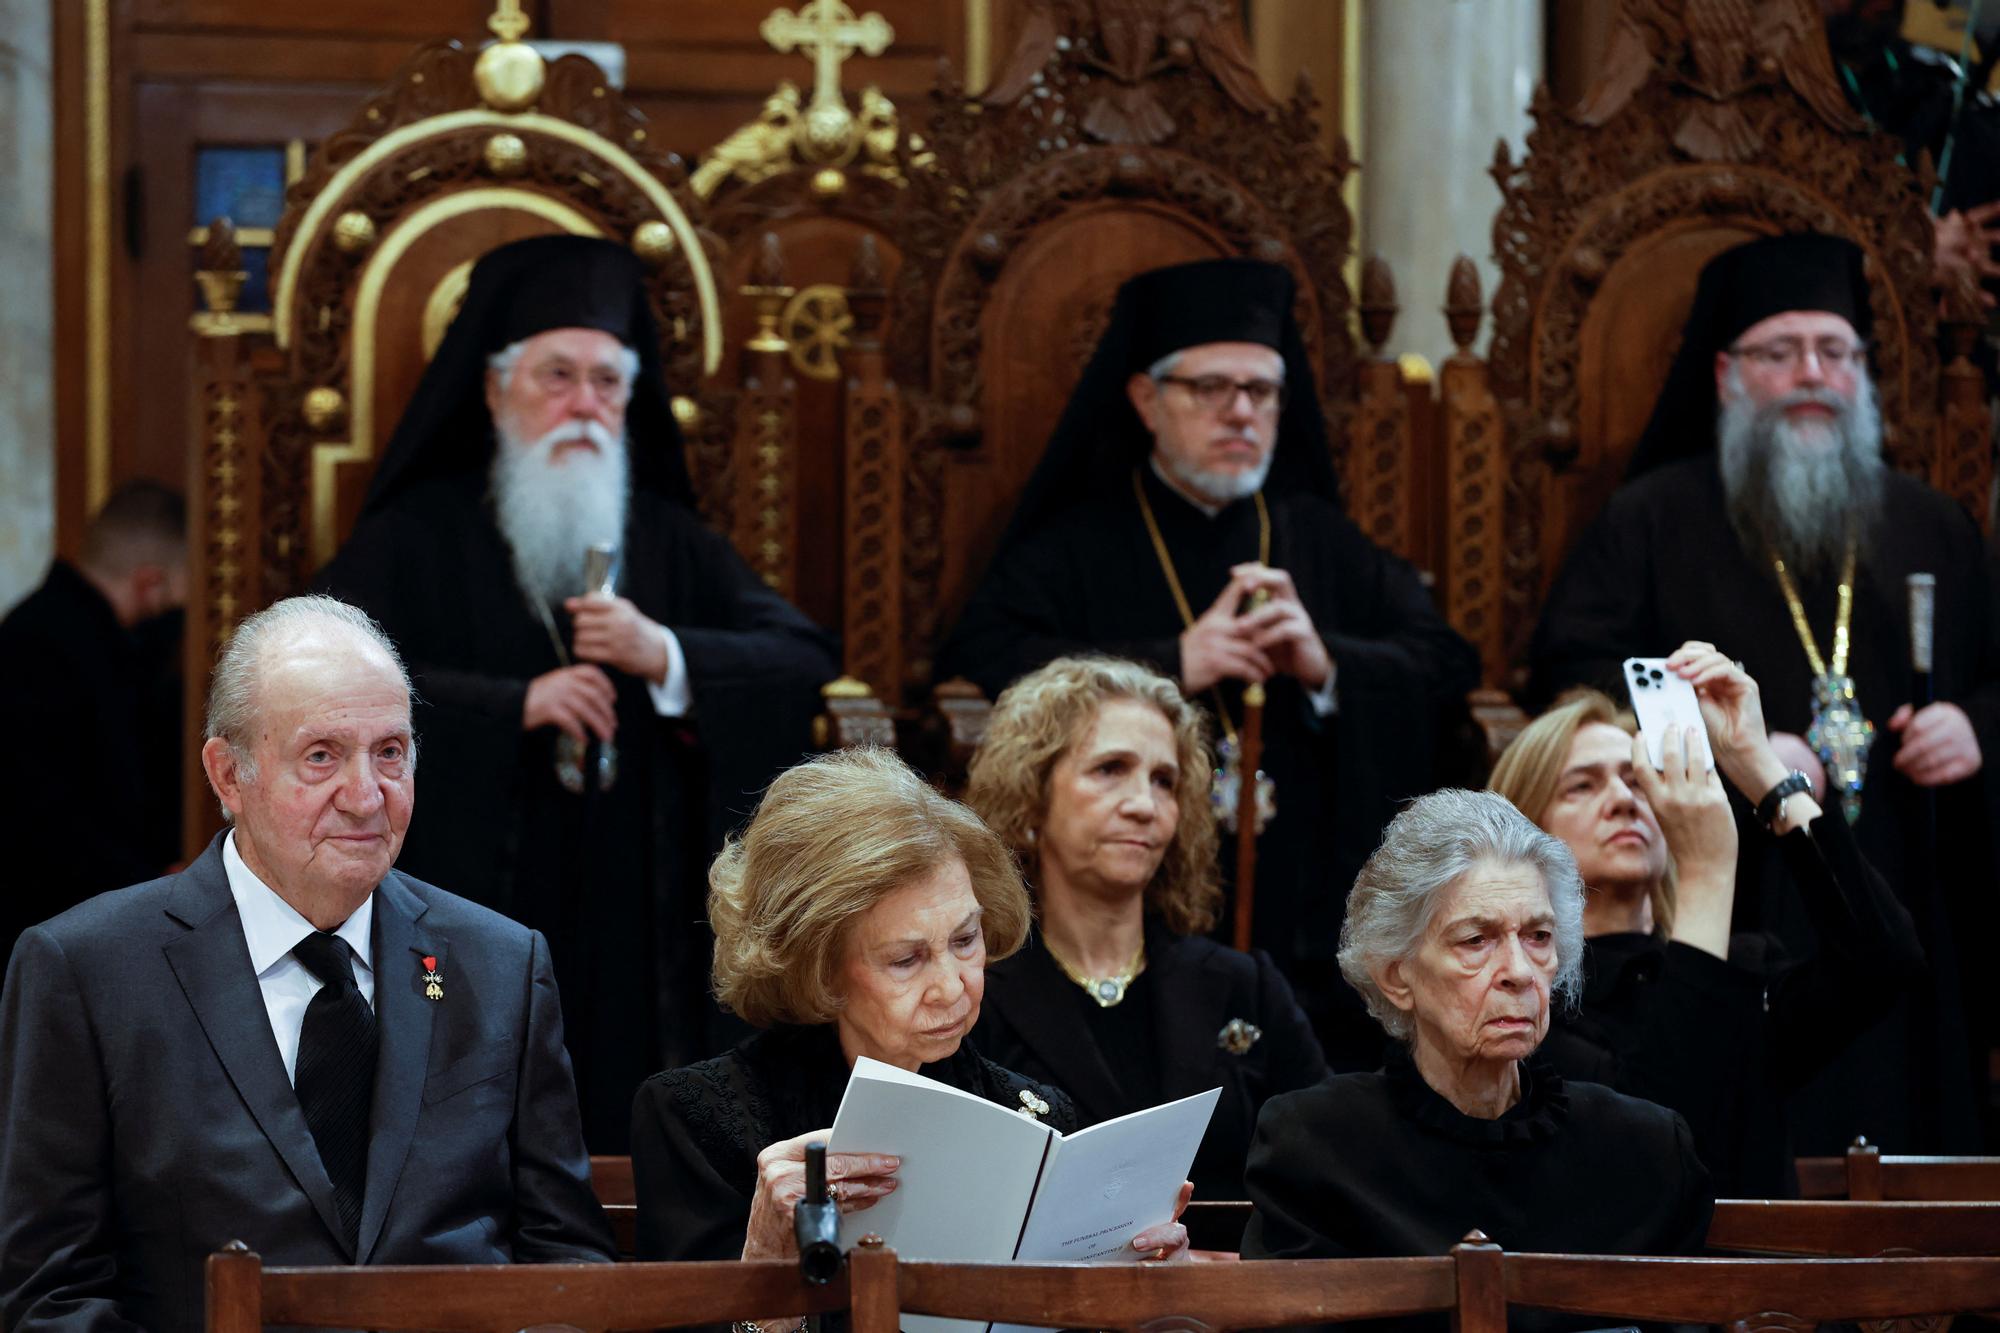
(90, 661)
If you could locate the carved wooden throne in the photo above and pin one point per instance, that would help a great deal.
(1713, 122)
(461, 154)
(1119, 136)
(795, 197)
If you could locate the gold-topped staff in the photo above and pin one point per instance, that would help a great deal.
(1250, 756)
(1243, 798)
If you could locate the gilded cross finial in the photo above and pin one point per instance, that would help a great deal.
(821, 133)
(509, 75)
(508, 23)
(829, 32)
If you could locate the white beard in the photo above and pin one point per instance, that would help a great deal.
(551, 513)
(1801, 488)
(1220, 488)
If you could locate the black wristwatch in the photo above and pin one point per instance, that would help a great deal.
(1791, 784)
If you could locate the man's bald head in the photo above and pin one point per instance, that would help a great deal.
(310, 753)
(320, 626)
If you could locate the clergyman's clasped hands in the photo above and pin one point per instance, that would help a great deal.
(1274, 637)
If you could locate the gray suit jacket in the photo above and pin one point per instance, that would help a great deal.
(146, 1120)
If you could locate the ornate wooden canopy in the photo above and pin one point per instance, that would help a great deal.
(1120, 135)
(1713, 121)
(463, 152)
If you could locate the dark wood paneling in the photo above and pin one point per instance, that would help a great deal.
(753, 72)
(689, 23)
(385, 18)
(230, 57)
(156, 359)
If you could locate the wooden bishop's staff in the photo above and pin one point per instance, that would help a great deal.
(1249, 754)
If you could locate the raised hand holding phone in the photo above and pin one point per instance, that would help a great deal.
(1660, 699)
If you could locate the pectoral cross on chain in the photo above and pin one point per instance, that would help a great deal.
(828, 31)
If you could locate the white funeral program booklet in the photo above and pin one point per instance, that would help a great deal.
(983, 1184)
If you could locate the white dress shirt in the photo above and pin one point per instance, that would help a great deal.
(271, 927)
(672, 697)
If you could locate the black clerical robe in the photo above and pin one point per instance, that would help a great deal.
(1725, 1042)
(1169, 1038)
(1381, 1166)
(613, 878)
(696, 1132)
(1662, 565)
(1090, 580)
(94, 725)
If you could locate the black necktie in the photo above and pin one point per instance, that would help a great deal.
(335, 1077)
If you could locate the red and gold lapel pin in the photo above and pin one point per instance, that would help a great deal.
(433, 983)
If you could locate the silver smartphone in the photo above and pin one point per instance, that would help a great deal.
(1662, 699)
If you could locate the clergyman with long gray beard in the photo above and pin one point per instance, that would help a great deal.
(1759, 515)
(583, 752)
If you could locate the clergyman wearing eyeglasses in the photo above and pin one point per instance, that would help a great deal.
(1185, 514)
(1760, 515)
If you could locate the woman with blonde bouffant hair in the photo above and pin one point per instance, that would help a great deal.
(1094, 770)
(855, 916)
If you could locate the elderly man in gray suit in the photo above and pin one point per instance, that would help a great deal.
(288, 1042)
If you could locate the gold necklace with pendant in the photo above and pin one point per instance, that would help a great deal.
(1839, 733)
(1228, 779)
(1109, 990)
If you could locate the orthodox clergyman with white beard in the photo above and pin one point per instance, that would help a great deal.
(1760, 516)
(1185, 515)
(583, 749)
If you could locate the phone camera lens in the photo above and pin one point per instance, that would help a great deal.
(1658, 675)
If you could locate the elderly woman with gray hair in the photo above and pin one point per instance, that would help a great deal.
(1464, 929)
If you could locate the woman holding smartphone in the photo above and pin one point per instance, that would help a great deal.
(1675, 1009)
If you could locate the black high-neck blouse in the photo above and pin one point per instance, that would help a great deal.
(696, 1131)
(1380, 1165)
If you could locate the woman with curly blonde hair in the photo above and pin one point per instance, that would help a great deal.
(1095, 772)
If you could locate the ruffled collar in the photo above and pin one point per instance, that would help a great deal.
(1536, 1118)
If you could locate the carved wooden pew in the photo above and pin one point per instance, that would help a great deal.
(1755, 1293)
(1476, 1283)
(1928, 1205)
(1751, 1226)
(1861, 1229)
(1181, 1296)
(1864, 1173)
(611, 1179)
(244, 1296)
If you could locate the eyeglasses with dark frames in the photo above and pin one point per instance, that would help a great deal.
(1216, 392)
(1835, 354)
